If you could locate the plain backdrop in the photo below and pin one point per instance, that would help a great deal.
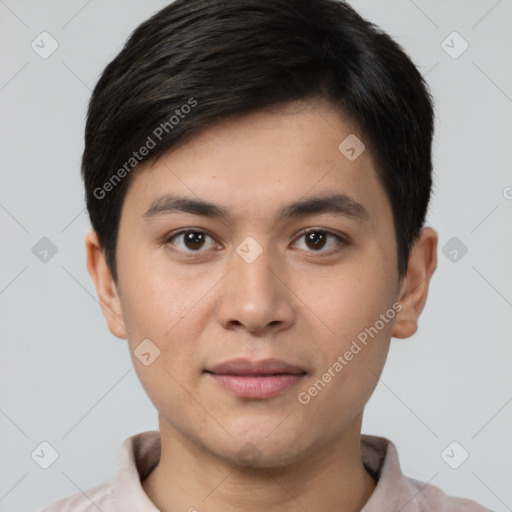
(65, 380)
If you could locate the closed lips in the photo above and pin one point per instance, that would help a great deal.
(255, 368)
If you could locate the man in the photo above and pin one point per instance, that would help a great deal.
(257, 176)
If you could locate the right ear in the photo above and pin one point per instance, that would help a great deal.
(105, 286)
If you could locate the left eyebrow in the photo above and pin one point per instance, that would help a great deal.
(339, 204)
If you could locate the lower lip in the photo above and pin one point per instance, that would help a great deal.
(257, 387)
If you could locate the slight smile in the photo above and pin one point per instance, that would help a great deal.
(256, 379)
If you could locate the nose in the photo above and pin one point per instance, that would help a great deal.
(255, 296)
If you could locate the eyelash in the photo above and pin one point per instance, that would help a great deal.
(342, 240)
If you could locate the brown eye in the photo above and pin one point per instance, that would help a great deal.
(190, 240)
(315, 240)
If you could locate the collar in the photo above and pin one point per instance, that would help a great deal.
(140, 453)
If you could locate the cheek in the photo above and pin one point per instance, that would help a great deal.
(357, 307)
(351, 363)
(165, 315)
(157, 296)
(349, 300)
(171, 310)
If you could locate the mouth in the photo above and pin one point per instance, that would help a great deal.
(256, 379)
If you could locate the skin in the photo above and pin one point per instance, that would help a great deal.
(295, 302)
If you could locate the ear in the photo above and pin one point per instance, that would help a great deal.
(414, 287)
(105, 286)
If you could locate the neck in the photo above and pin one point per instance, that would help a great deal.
(188, 477)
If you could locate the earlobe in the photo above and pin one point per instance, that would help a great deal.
(105, 286)
(414, 287)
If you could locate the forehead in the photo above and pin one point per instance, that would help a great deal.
(264, 159)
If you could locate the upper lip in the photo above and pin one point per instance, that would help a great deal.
(242, 366)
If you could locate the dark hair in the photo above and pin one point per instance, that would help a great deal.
(196, 62)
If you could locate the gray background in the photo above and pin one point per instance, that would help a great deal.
(66, 380)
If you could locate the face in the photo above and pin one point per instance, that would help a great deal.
(276, 276)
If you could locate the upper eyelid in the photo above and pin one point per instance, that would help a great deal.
(325, 230)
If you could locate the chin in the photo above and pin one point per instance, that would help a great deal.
(262, 451)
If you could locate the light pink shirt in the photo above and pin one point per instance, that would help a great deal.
(140, 453)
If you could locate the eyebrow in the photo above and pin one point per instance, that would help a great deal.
(338, 203)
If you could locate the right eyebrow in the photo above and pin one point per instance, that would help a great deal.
(170, 203)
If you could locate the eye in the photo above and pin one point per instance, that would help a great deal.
(192, 240)
(317, 239)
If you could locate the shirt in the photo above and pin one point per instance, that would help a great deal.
(140, 454)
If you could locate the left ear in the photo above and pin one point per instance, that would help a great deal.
(414, 287)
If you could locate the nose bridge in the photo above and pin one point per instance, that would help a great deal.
(254, 296)
(253, 271)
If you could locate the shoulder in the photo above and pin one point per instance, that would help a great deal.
(428, 497)
(91, 500)
(397, 492)
(138, 455)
